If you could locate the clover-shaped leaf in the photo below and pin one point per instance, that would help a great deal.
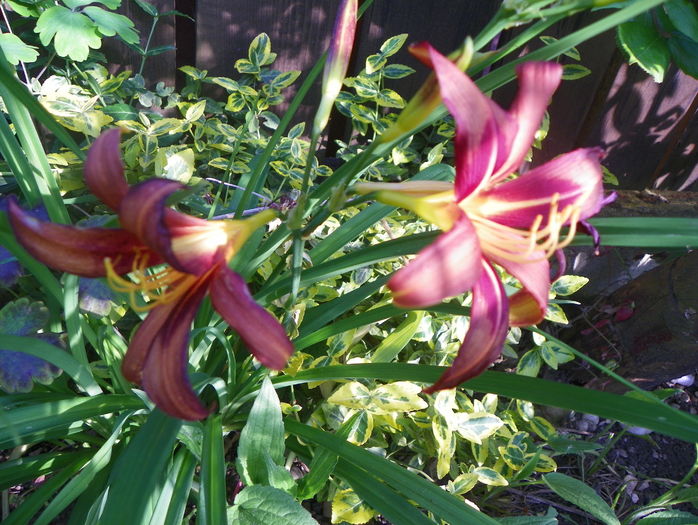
(95, 296)
(17, 51)
(73, 34)
(18, 371)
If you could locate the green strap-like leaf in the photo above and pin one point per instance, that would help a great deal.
(212, 501)
(137, 473)
(655, 416)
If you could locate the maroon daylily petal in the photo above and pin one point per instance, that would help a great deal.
(104, 171)
(143, 212)
(575, 177)
(197, 244)
(165, 378)
(447, 267)
(527, 306)
(187, 243)
(71, 249)
(261, 332)
(537, 83)
(142, 341)
(486, 334)
(477, 129)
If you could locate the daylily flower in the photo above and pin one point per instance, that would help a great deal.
(488, 219)
(191, 256)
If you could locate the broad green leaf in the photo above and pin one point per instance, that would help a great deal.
(262, 437)
(366, 88)
(149, 8)
(74, 4)
(399, 338)
(73, 34)
(393, 44)
(285, 79)
(562, 354)
(351, 395)
(462, 483)
(195, 111)
(259, 51)
(175, 164)
(375, 62)
(549, 356)
(556, 314)
(542, 427)
(645, 46)
(362, 428)
(163, 126)
(529, 364)
(684, 16)
(17, 51)
(390, 99)
(111, 24)
(258, 505)
(120, 112)
(348, 507)
(488, 476)
(568, 284)
(445, 444)
(581, 495)
(401, 396)
(476, 426)
(684, 52)
(574, 71)
(396, 71)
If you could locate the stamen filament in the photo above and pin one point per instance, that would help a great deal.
(533, 245)
(169, 283)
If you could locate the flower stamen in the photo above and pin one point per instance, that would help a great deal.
(534, 245)
(159, 287)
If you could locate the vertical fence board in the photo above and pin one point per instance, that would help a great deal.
(160, 68)
(299, 32)
(444, 24)
(636, 126)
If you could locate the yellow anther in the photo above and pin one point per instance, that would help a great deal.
(160, 287)
(534, 244)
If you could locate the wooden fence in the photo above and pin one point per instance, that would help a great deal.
(649, 131)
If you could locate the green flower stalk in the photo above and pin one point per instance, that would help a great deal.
(337, 62)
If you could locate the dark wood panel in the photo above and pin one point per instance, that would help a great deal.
(444, 24)
(636, 127)
(299, 33)
(160, 68)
